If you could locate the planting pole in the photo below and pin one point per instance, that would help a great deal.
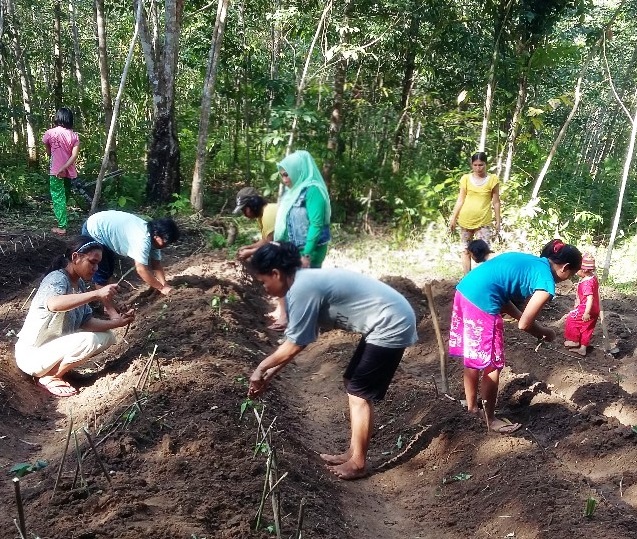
(441, 348)
(18, 500)
(66, 448)
(99, 460)
(299, 522)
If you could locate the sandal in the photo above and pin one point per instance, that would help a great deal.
(56, 386)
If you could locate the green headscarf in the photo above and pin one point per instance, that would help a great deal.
(303, 173)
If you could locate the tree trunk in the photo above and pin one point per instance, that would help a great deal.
(196, 193)
(57, 54)
(300, 87)
(515, 120)
(164, 176)
(620, 201)
(105, 84)
(408, 83)
(488, 102)
(77, 62)
(26, 87)
(336, 118)
(111, 130)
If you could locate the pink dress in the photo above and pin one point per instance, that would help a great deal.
(576, 329)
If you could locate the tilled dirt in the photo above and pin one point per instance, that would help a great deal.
(185, 463)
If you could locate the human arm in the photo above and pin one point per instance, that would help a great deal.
(586, 316)
(456, 209)
(97, 325)
(272, 364)
(69, 161)
(248, 250)
(153, 276)
(67, 302)
(526, 319)
(495, 201)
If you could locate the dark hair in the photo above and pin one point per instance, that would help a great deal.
(479, 156)
(479, 249)
(165, 228)
(562, 253)
(78, 244)
(64, 117)
(255, 203)
(283, 256)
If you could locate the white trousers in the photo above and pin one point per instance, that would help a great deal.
(74, 348)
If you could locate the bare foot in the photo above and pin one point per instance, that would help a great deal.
(581, 350)
(571, 344)
(58, 231)
(348, 471)
(336, 459)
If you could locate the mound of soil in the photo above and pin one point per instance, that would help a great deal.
(183, 452)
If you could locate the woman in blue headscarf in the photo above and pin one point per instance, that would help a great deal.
(304, 211)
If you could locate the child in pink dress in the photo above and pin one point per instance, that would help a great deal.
(62, 144)
(582, 319)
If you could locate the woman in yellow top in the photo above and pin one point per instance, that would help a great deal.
(472, 212)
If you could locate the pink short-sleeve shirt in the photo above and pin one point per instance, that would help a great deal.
(61, 141)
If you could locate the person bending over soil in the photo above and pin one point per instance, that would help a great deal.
(337, 299)
(126, 234)
(477, 329)
(59, 332)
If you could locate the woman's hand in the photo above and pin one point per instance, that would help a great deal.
(107, 292)
(305, 261)
(452, 223)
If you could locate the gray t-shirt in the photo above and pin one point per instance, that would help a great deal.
(42, 325)
(342, 299)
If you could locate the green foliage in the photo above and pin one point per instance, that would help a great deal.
(17, 183)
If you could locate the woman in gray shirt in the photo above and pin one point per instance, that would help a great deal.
(59, 332)
(336, 298)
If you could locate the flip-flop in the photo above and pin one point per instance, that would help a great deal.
(507, 428)
(57, 387)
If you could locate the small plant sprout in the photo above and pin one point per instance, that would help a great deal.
(247, 403)
(591, 506)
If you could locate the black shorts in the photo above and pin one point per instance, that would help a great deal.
(371, 370)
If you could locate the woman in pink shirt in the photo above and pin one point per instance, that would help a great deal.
(63, 145)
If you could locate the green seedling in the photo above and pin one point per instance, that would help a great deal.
(247, 403)
(399, 442)
(591, 506)
(242, 380)
(215, 303)
(24, 468)
(130, 416)
(462, 476)
(634, 429)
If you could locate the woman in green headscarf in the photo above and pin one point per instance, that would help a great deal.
(304, 211)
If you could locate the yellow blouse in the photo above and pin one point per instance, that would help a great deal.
(476, 209)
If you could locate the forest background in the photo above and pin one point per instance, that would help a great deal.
(391, 98)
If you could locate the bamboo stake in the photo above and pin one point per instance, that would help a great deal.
(137, 400)
(263, 494)
(66, 448)
(146, 367)
(27, 300)
(18, 500)
(79, 469)
(97, 456)
(441, 349)
(299, 522)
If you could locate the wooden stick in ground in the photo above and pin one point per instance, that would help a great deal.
(602, 319)
(404, 451)
(146, 368)
(158, 369)
(441, 348)
(486, 415)
(18, 501)
(79, 470)
(137, 400)
(66, 448)
(265, 490)
(17, 527)
(299, 521)
(97, 456)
